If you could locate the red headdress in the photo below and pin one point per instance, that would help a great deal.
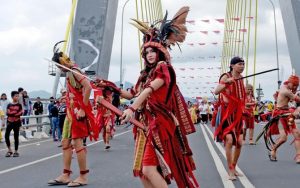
(171, 32)
(293, 79)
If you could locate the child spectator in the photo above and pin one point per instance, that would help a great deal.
(13, 112)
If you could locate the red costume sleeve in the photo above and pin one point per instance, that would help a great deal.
(162, 72)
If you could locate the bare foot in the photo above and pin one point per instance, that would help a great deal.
(236, 173)
(272, 155)
(231, 175)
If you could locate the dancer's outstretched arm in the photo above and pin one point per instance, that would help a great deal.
(154, 85)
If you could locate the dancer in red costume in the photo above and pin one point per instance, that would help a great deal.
(229, 124)
(249, 114)
(162, 151)
(105, 118)
(282, 122)
(79, 122)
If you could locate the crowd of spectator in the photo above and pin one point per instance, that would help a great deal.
(201, 112)
(15, 112)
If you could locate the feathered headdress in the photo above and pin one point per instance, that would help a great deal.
(293, 79)
(56, 53)
(60, 57)
(171, 32)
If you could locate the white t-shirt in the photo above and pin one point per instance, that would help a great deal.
(203, 108)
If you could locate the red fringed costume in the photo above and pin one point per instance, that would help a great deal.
(104, 117)
(166, 115)
(231, 120)
(164, 112)
(248, 115)
(274, 129)
(74, 128)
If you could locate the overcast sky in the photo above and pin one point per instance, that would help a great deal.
(28, 30)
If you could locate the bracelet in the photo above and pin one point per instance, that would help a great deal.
(131, 108)
(119, 90)
(152, 89)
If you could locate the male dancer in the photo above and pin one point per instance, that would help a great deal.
(249, 114)
(105, 117)
(286, 124)
(232, 101)
(79, 122)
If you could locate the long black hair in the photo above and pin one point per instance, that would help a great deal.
(148, 66)
(116, 99)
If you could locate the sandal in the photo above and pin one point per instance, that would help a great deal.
(273, 159)
(76, 184)
(231, 175)
(16, 154)
(57, 182)
(9, 154)
(60, 182)
(251, 142)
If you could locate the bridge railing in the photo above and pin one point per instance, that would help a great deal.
(44, 121)
(42, 125)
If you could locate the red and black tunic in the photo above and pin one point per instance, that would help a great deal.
(248, 113)
(231, 121)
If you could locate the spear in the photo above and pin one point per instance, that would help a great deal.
(102, 101)
(213, 95)
(263, 72)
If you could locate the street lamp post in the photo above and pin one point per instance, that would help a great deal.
(276, 41)
(121, 58)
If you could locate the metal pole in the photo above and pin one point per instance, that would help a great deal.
(67, 36)
(121, 57)
(274, 14)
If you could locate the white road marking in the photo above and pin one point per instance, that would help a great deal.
(219, 165)
(50, 157)
(244, 180)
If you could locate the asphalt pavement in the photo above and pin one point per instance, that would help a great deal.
(41, 160)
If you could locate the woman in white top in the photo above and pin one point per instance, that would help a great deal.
(4, 102)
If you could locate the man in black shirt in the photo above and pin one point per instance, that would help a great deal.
(38, 109)
(55, 122)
